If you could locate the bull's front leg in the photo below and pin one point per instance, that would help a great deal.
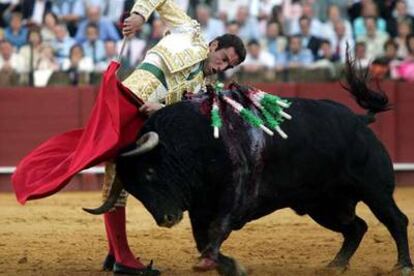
(212, 229)
(209, 238)
(200, 223)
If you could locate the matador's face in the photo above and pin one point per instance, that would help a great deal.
(220, 60)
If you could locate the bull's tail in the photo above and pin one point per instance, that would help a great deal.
(357, 84)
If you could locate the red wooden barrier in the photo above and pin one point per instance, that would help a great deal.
(404, 107)
(28, 116)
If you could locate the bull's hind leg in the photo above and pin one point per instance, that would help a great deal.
(384, 208)
(352, 228)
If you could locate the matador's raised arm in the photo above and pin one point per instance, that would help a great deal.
(171, 14)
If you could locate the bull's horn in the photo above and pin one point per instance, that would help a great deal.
(116, 190)
(144, 144)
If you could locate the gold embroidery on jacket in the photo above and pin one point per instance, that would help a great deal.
(175, 94)
(181, 60)
(142, 83)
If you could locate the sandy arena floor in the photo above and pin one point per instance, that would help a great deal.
(55, 237)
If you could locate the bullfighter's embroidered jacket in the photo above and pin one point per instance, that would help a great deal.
(174, 65)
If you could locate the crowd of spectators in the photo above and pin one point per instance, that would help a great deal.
(39, 38)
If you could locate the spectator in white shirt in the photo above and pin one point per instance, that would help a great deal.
(227, 8)
(249, 26)
(274, 41)
(340, 40)
(77, 64)
(374, 39)
(47, 59)
(262, 9)
(77, 61)
(291, 12)
(48, 28)
(257, 59)
(10, 61)
(210, 27)
(295, 56)
(316, 26)
(62, 43)
(45, 66)
(31, 51)
(334, 15)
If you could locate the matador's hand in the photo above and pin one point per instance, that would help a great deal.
(132, 24)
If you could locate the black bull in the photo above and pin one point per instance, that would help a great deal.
(330, 162)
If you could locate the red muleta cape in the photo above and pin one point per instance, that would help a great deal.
(113, 124)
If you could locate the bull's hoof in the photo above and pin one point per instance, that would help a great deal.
(339, 266)
(205, 264)
(230, 267)
(405, 270)
(120, 269)
(108, 263)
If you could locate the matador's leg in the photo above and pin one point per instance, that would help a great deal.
(115, 225)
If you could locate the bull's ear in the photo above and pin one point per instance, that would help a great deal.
(144, 144)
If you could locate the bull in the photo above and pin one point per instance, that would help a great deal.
(330, 162)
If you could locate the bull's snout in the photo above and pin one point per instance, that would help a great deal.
(170, 220)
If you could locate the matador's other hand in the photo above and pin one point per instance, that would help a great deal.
(150, 108)
(132, 24)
